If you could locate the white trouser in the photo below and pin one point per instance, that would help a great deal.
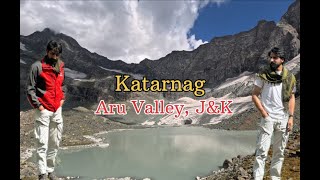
(277, 127)
(48, 133)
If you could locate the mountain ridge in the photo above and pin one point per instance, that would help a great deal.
(222, 58)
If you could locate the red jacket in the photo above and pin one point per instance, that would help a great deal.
(45, 86)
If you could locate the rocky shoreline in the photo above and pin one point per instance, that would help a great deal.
(240, 167)
(81, 125)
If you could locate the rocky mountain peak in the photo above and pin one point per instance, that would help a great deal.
(45, 33)
(48, 30)
(292, 16)
(265, 23)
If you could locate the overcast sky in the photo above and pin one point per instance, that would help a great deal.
(127, 30)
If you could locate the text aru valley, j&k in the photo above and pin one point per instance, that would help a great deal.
(158, 107)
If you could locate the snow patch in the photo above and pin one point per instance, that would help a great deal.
(85, 80)
(74, 74)
(293, 63)
(232, 81)
(22, 61)
(207, 90)
(239, 105)
(23, 47)
(148, 123)
(136, 76)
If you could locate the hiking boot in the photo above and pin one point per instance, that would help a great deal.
(42, 177)
(51, 176)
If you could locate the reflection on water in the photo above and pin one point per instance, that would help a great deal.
(173, 153)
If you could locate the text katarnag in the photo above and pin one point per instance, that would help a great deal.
(160, 86)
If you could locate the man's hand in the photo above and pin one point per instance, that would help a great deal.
(41, 108)
(291, 110)
(61, 103)
(290, 124)
(255, 93)
(264, 114)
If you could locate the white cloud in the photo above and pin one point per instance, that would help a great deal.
(195, 43)
(126, 30)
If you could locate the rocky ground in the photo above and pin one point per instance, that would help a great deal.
(80, 123)
(240, 167)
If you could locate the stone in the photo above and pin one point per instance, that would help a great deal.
(227, 163)
(243, 172)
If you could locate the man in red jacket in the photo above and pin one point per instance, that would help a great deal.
(46, 93)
